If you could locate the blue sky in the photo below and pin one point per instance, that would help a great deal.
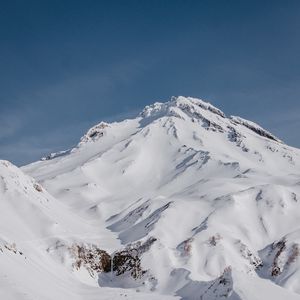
(66, 65)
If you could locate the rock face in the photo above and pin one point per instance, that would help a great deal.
(254, 127)
(94, 133)
(281, 260)
(92, 258)
(96, 260)
(127, 261)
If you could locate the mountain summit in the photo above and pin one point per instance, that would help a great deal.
(181, 202)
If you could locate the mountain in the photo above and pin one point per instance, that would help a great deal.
(181, 202)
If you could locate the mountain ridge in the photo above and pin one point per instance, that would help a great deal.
(174, 107)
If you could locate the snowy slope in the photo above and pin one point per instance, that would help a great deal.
(34, 229)
(180, 201)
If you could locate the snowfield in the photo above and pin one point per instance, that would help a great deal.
(180, 202)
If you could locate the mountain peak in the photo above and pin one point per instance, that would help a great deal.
(197, 109)
(181, 102)
(192, 110)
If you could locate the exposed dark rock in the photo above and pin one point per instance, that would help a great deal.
(96, 260)
(185, 247)
(56, 154)
(206, 123)
(236, 138)
(38, 187)
(129, 259)
(94, 133)
(279, 247)
(213, 240)
(91, 257)
(253, 259)
(255, 128)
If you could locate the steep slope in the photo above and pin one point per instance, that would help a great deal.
(213, 194)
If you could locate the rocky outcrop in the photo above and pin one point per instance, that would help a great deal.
(92, 258)
(96, 260)
(281, 258)
(255, 128)
(56, 154)
(94, 133)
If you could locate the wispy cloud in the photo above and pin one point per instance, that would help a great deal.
(9, 125)
(22, 138)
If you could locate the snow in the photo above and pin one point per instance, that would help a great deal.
(220, 196)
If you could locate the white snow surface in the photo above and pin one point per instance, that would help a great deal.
(220, 195)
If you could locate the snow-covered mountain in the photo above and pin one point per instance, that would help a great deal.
(181, 202)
